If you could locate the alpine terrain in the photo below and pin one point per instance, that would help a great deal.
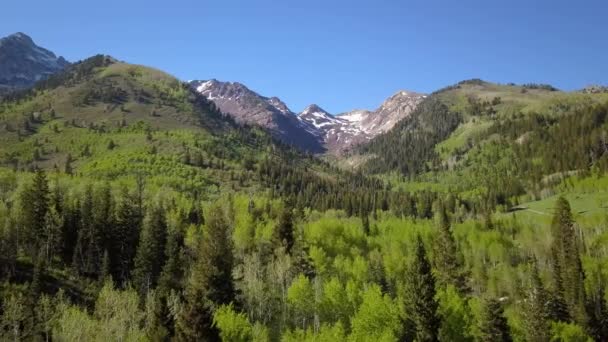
(22, 62)
(313, 129)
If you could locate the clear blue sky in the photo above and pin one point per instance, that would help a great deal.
(338, 54)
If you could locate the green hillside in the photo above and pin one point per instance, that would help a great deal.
(497, 142)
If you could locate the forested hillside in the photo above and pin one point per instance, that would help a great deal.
(131, 209)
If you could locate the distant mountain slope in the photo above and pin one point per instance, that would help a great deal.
(342, 132)
(111, 121)
(454, 118)
(107, 119)
(493, 141)
(246, 106)
(314, 129)
(23, 63)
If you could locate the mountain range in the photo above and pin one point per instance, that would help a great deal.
(314, 129)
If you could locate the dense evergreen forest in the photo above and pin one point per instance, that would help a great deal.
(131, 209)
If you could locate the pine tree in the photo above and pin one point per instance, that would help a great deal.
(493, 326)
(150, 256)
(284, 230)
(557, 308)
(126, 234)
(111, 145)
(68, 165)
(568, 270)
(106, 271)
(51, 235)
(448, 260)
(365, 222)
(36, 154)
(88, 252)
(69, 231)
(598, 315)
(210, 284)
(35, 288)
(195, 216)
(536, 309)
(34, 208)
(103, 216)
(421, 303)
(172, 273)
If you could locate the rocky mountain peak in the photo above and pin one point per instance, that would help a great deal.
(280, 105)
(18, 38)
(313, 108)
(23, 63)
(313, 129)
(400, 97)
(247, 106)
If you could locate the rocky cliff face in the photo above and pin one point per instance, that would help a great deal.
(247, 106)
(342, 132)
(314, 129)
(23, 63)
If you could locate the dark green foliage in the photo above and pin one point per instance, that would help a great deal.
(448, 260)
(210, 283)
(284, 230)
(68, 165)
(150, 257)
(558, 309)
(409, 146)
(493, 326)
(126, 236)
(351, 192)
(539, 86)
(171, 277)
(34, 208)
(421, 305)
(568, 267)
(598, 315)
(111, 144)
(88, 252)
(579, 136)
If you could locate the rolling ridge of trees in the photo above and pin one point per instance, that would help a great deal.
(409, 147)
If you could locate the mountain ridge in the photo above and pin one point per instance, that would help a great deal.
(23, 63)
(322, 131)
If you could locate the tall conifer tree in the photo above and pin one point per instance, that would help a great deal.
(568, 267)
(211, 283)
(493, 326)
(448, 260)
(421, 303)
(150, 256)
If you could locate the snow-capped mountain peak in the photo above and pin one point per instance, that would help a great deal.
(247, 106)
(334, 133)
(313, 108)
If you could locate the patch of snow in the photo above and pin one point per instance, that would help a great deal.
(353, 117)
(204, 86)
